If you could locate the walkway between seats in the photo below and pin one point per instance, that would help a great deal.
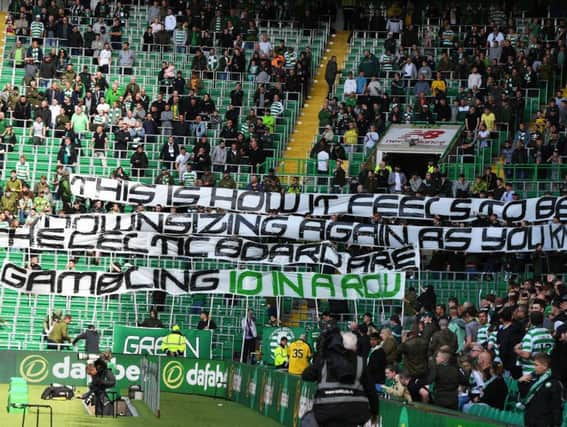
(308, 124)
(2, 33)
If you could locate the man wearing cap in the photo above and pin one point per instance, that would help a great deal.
(174, 343)
(299, 355)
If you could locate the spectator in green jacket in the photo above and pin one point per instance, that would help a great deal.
(369, 65)
(59, 334)
(9, 201)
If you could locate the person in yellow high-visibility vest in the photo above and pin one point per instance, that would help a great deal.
(281, 354)
(299, 355)
(174, 343)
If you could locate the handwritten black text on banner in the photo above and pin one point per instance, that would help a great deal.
(551, 237)
(362, 205)
(383, 285)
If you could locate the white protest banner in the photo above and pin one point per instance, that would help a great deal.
(361, 205)
(233, 249)
(551, 237)
(388, 285)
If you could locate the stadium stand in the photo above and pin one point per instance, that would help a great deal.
(232, 94)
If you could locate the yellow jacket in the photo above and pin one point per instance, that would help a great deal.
(438, 86)
(174, 343)
(281, 355)
(351, 137)
(299, 355)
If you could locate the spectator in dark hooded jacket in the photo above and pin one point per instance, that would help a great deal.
(91, 338)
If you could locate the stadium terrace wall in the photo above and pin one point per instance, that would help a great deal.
(282, 397)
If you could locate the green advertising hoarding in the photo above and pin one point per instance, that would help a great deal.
(46, 367)
(133, 340)
(191, 376)
(178, 375)
(282, 397)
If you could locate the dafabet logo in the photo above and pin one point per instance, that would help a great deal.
(34, 368)
(176, 374)
(172, 374)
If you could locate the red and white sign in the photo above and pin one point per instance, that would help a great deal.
(418, 139)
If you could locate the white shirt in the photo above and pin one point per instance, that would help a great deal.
(55, 111)
(182, 160)
(104, 57)
(170, 22)
(483, 134)
(397, 181)
(265, 47)
(131, 122)
(38, 129)
(409, 71)
(508, 196)
(475, 79)
(322, 161)
(394, 25)
(374, 88)
(370, 139)
(103, 108)
(492, 37)
(156, 27)
(350, 86)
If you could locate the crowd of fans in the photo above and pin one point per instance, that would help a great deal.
(91, 112)
(454, 354)
(492, 67)
(457, 354)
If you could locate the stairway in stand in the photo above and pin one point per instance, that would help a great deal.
(308, 125)
(3, 16)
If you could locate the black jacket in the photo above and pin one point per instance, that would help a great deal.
(70, 160)
(377, 366)
(446, 380)
(91, 338)
(203, 324)
(152, 323)
(494, 394)
(139, 160)
(166, 155)
(558, 363)
(507, 338)
(342, 413)
(331, 71)
(544, 410)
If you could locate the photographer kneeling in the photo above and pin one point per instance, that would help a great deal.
(345, 396)
(102, 379)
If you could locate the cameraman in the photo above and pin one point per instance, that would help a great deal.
(345, 396)
(102, 379)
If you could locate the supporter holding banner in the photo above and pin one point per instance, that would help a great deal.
(387, 285)
(361, 205)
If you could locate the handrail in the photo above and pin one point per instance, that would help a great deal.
(25, 406)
